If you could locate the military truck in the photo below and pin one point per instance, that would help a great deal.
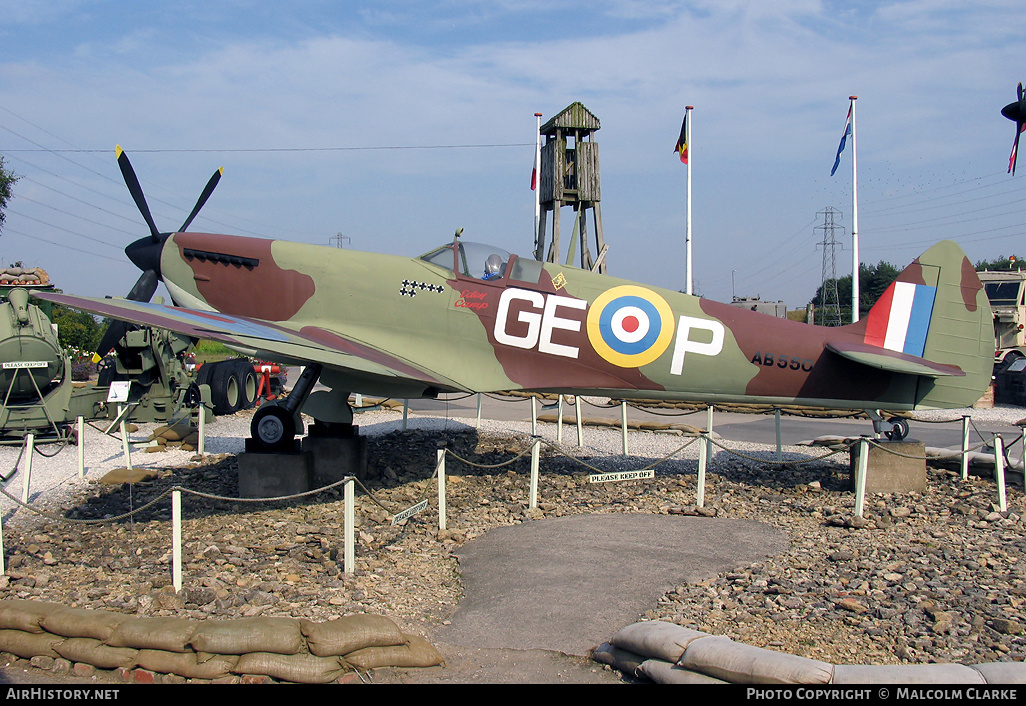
(1007, 297)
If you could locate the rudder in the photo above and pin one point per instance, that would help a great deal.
(937, 309)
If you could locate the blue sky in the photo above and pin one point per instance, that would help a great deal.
(288, 97)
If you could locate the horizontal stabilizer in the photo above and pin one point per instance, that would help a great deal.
(893, 361)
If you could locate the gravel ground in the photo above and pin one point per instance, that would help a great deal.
(922, 577)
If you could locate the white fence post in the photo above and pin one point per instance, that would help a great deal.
(559, 420)
(999, 471)
(176, 539)
(349, 529)
(860, 477)
(535, 454)
(124, 440)
(623, 423)
(30, 446)
(776, 414)
(201, 444)
(703, 460)
(709, 431)
(580, 421)
(965, 448)
(440, 470)
(534, 416)
(81, 446)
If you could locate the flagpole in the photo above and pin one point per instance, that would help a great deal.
(856, 265)
(687, 222)
(537, 177)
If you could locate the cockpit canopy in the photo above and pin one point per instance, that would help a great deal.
(484, 262)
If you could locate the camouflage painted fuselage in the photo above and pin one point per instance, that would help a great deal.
(408, 327)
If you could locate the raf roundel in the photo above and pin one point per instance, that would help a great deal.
(630, 326)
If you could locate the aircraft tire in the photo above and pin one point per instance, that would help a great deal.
(899, 429)
(274, 428)
(225, 388)
(247, 383)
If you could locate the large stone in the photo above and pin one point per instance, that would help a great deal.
(892, 466)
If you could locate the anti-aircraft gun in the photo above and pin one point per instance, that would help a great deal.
(35, 375)
(38, 395)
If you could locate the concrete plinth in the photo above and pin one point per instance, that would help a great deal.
(888, 472)
(334, 458)
(270, 475)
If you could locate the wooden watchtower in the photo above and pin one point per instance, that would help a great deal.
(569, 176)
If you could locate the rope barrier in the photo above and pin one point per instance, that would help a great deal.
(497, 465)
(599, 470)
(783, 463)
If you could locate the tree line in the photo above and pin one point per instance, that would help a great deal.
(873, 282)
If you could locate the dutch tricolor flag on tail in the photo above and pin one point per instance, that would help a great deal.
(900, 320)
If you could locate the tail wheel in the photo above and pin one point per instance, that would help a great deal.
(274, 428)
(899, 429)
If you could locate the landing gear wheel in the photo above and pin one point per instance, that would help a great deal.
(899, 429)
(274, 428)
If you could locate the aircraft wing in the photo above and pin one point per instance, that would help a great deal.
(893, 361)
(278, 341)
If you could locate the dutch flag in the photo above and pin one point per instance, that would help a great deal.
(844, 139)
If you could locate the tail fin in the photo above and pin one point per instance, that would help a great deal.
(937, 311)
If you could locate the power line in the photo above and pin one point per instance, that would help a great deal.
(278, 149)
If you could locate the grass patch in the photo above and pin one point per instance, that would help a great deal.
(208, 351)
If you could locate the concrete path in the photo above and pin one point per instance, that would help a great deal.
(568, 584)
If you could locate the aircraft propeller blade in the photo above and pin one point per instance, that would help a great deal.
(1017, 112)
(207, 190)
(136, 190)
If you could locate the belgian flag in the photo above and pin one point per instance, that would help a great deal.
(682, 141)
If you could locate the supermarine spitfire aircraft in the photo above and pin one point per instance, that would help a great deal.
(467, 317)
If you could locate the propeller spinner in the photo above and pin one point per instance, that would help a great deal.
(1016, 111)
(145, 252)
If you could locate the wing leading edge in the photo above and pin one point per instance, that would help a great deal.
(299, 345)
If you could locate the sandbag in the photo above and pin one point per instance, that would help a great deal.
(418, 653)
(89, 650)
(236, 637)
(191, 665)
(82, 622)
(301, 668)
(617, 658)
(169, 634)
(28, 645)
(737, 663)
(350, 633)
(1002, 672)
(906, 674)
(25, 615)
(174, 432)
(667, 673)
(657, 639)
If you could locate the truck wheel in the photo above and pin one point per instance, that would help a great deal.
(247, 383)
(225, 388)
(274, 428)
